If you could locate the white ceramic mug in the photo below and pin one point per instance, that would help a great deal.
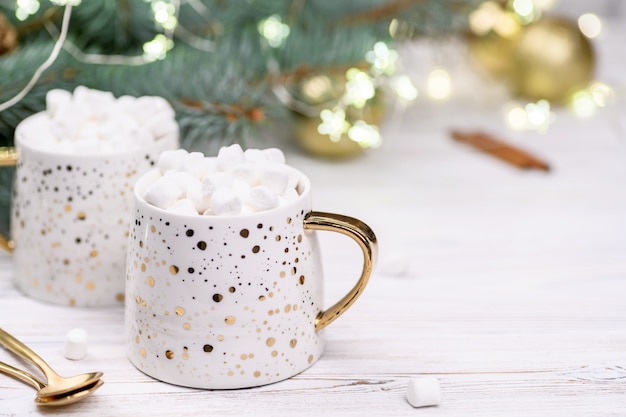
(221, 302)
(70, 218)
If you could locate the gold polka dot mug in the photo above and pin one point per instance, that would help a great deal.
(223, 302)
(69, 220)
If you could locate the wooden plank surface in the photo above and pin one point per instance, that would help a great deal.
(507, 285)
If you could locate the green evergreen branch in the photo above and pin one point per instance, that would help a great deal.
(217, 77)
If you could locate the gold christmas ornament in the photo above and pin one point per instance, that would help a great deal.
(316, 144)
(553, 60)
(308, 136)
(8, 36)
(493, 53)
(325, 125)
(494, 33)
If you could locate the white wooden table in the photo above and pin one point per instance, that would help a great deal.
(509, 286)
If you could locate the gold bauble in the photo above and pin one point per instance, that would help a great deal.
(319, 145)
(553, 60)
(323, 91)
(8, 36)
(314, 143)
(493, 53)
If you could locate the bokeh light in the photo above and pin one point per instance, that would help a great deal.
(274, 31)
(439, 84)
(590, 25)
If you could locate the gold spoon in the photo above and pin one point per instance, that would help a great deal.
(49, 400)
(56, 384)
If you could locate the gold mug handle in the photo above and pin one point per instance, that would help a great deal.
(8, 157)
(364, 236)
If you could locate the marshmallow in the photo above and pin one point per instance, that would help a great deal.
(275, 177)
(184, 206)
(234, 182)
(163, 192)
(246, 172)
(230, 156)
(94, 102)
(159, 127)
(198, 198)
(124, 124)
(90, 145)
(60, 129)
(182, 179)
(224, 202)
(146, 108)
(171, 159)
(423, 392)
(137, 135)
(254, 155)
(294, 179)
(262, 198)
(289, 196)
(56, 99)
(126, 103)
(220, 179)
(210, 167)
(274, 155)
(207, 187)
(195, 164)
(75, 347)
(117, 124)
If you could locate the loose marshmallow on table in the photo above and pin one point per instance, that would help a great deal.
(231, 183)
(75, 347)
(423, 392)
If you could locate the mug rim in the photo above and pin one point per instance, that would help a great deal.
(22, 143)
(303, 187)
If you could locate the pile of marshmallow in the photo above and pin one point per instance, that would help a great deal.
(233, 182)
(92, 121)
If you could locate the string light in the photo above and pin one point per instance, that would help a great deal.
(359, 88)
(532, 116)
(334, 123)
(403, 88)
(439, 84)
(484, 18)
(590, 25)
(365, 135)
(525, 11)
(382, 58)
(165, 14)
(157, 48)
(274, 30)
(66, 2)
(601, 93)
(582, 104)
(26, 8)
(56, 49)
(586, 102)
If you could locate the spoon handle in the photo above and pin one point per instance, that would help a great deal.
(21, 375)
(24, 352)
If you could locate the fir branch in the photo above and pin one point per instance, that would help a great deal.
(16, 69)
(379, 12)
(119, 26)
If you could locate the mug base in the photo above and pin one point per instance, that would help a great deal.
(221, 382)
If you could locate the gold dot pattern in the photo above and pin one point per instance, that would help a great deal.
(73, 212)
(227, 306)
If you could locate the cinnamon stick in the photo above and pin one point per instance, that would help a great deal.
(500, 149)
